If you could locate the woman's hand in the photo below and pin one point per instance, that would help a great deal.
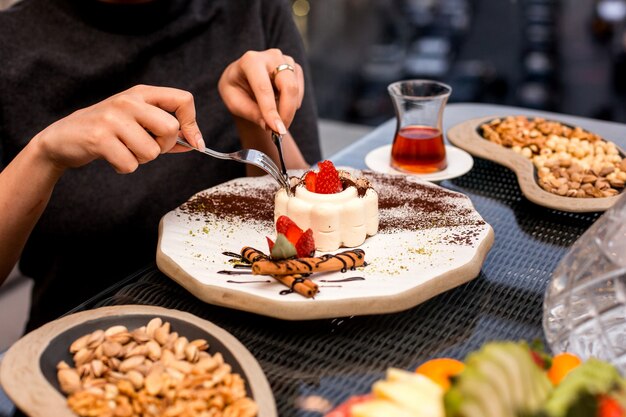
(253, 89)
(127, 129)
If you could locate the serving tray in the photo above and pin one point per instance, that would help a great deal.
(430, 240)
(28, 371)
(466, 136)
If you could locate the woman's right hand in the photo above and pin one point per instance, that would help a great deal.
(127, 129)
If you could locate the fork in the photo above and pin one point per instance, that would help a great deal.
(247, 156)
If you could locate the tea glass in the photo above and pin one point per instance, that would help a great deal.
(418, 145)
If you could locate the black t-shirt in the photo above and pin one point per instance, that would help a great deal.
(61, 55)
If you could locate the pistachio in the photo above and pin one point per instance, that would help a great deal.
(191, 353)
(606, 170)
(182, 366)
(95, 339)
(111, 349)
(162, 333)
(589, 178)
(153, 325)
(136, 378)
(79, 343)
(69, 380)
(617, 183)
(154, 382)
(154, 350)
(131, 363)
(179, 347)
(82, 356)
(97, 368)
(140, 335)
(113, 330)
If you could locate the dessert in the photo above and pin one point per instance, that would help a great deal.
(339, 209)
(501, 379)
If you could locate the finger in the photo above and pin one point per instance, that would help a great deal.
(288, 87)
(179, 102)
(163, 127)
(257, 74)
(119, 156)
(300, 75)
(144, 146)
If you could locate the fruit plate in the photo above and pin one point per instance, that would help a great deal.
(466, 136)
(430, 240)
(29, 376)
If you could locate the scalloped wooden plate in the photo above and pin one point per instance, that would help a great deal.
(466, 136)
(28, 372)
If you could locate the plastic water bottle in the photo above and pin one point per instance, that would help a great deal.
(585, 302)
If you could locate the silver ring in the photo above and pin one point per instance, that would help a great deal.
(282, 67)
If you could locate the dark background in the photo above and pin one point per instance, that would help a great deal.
(565, 56)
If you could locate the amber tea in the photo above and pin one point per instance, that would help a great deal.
(418, 149)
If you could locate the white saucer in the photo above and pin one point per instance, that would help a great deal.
(459, 163)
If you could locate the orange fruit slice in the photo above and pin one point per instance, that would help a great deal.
(562, 364)
(440, 370)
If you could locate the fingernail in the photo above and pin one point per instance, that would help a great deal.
(281, 127)
(200, 142)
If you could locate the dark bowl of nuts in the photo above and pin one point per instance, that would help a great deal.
(129, 360)
(557, 165)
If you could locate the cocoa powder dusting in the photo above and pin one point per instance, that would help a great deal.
(404, 205)
(234, 201)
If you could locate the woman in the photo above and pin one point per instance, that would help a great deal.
(64, 55)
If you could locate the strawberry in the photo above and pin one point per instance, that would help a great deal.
(609, 407)
(305, 247)
(287, 227)
(293, 234)
(270, 243)
(327, 181)
(309, 181)
(283, 223)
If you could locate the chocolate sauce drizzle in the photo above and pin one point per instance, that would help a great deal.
(224, 272)
(233, 255)
(292, 286)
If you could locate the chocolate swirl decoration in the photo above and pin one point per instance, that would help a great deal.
(263, 265)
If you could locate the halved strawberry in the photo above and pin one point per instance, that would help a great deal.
(283, 223)
(270, 243)
(327, 181)
(309, 181)
(305, 246)
(287, 227)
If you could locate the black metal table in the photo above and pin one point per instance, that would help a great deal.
(329, 360)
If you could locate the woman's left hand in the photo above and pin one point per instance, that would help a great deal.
(265, 88)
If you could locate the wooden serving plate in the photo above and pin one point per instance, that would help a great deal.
(28, 372)
(466, 136)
